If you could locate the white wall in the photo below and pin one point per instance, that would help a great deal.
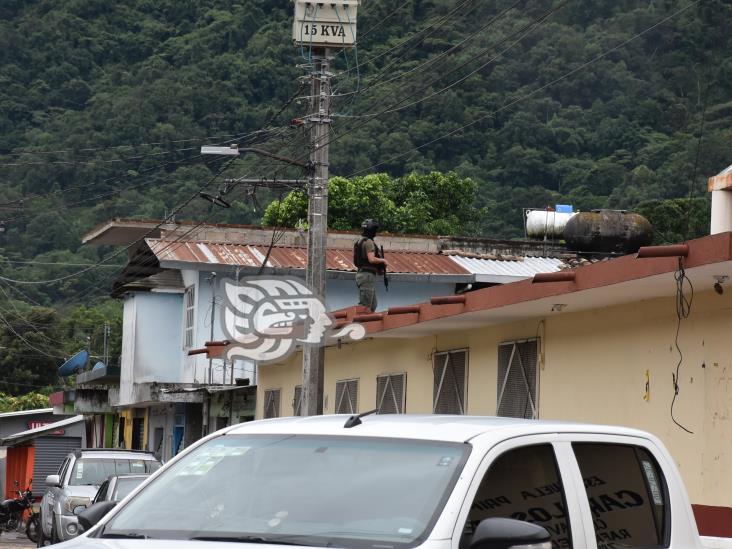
(151, 342)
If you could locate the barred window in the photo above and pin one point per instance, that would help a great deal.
(271, 403)
(390, 393)
(189, 300)
(297, 401)
(450, 382)
(346, 396)
(518, 379)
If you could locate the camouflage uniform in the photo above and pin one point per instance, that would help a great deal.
(366, 277)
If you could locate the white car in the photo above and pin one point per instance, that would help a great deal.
(77, 482)
(402, 482)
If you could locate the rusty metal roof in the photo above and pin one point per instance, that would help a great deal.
(245, 255)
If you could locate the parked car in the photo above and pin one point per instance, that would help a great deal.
(113, 490)
(401, 482)
(117, 487)
(77, 482)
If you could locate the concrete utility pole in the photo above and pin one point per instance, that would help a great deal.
(314, 356)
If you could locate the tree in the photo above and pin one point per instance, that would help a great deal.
(432, 203)
(29, 401)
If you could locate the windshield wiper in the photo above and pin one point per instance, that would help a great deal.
(124, 535)
(284, 540)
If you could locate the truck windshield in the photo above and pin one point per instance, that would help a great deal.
(298, 490)
(94, 471)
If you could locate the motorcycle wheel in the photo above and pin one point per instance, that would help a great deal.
(31, 528)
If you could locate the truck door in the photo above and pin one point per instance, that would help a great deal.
(525, 478)
(626, 493)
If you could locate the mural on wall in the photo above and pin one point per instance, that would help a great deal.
(267, 318)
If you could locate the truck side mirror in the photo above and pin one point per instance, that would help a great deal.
(94, 513)
(53, 481)
(504, 533)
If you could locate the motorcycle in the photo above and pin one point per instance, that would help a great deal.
(12, 511)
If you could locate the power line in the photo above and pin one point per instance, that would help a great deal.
(385, 70)
(378, 82)
(382, 20)
(438, 22)
(97, 160)
(121, 250)
(25, 341)
(526, 30)
(249, 136)
(19, 384)
(529, 26)
(52, 263)
(532, 93)
(114, 147)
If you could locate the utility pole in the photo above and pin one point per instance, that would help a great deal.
(319, 28)
(313, 357)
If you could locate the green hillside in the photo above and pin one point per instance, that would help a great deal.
(595, 103)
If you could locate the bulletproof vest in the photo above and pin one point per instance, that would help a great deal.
(360, 259)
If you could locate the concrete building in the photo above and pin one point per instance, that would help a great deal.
(602, 343)
(162, 398)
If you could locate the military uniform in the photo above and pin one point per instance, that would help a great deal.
(366, 275)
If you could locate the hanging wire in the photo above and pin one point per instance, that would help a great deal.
(683, 309)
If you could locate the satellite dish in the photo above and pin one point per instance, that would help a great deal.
(74, 364)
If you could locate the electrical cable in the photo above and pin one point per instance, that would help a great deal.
(114, 147)
(383, 20)
(386, 69)
(440, 20)
(249, 136)
(96, 160)
(438, 57)
(25, 341)
(18, 315)
(18, 384)
(385, 111)
(683, 309)
(526, 30)
(696, 162)
(121, 250)
(527, 95)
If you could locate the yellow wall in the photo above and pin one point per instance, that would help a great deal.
(129, 414)
(594, 370)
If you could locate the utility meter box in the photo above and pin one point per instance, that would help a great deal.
(325, 24)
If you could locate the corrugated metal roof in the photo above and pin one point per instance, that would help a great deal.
(33, 433)
(218, 253)
(497, 270)
(26, 412)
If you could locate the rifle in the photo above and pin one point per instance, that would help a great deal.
(383, 267)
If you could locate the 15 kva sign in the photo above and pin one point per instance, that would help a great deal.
(331, 23)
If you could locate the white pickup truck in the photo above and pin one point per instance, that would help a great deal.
(402, 482)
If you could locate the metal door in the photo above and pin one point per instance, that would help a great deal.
(49, 455)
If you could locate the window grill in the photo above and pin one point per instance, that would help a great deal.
(297, 401)
(271, 403)
(518, 379)
(390, 393)
(450, 380)
(346, 396)
(190, 305)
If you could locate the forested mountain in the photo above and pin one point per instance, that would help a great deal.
(596, 103)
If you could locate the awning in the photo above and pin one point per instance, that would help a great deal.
(24, 436)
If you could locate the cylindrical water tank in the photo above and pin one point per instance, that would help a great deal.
(608, 231)
(541, 223)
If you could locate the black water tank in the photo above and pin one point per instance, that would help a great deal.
(607, 231)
